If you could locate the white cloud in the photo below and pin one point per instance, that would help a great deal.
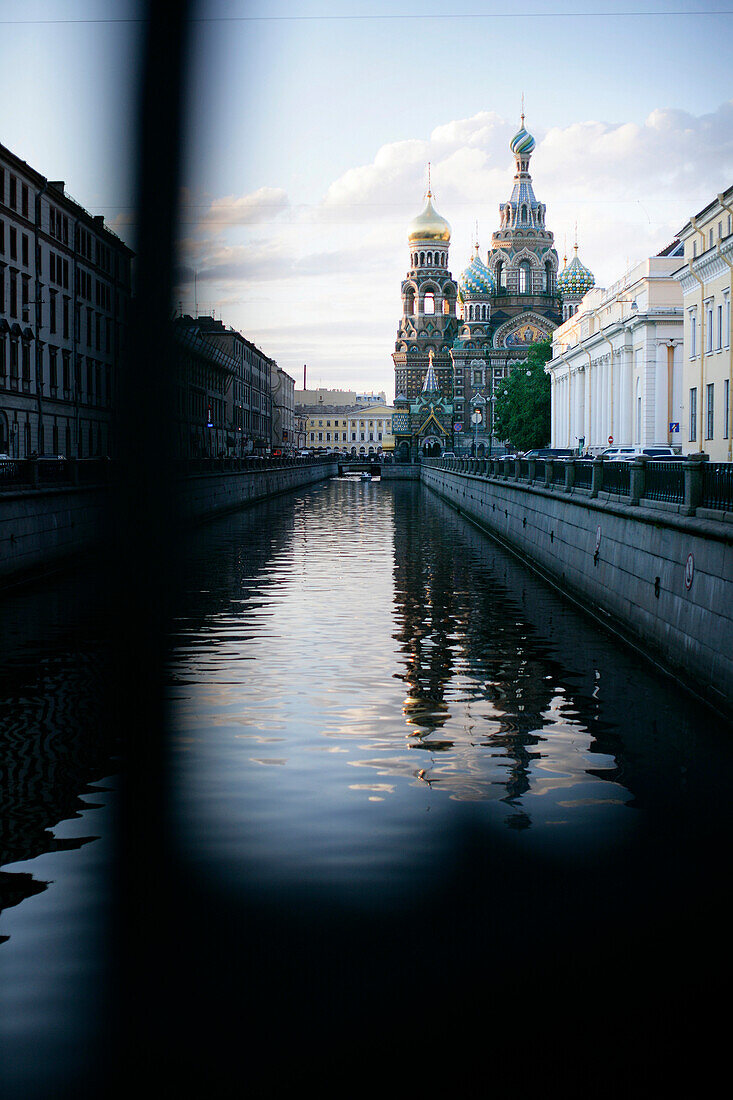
(320, 283)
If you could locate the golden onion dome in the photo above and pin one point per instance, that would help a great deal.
(428, 226)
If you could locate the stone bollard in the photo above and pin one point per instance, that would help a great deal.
(693, 483)
(570, 475)
(596, 476)
(548, 473)
(517, 469)
(531, 469)
(32, 468)
(637, 479)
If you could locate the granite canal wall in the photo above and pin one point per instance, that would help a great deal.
(43, 525)
(660, 578)
(210, 492)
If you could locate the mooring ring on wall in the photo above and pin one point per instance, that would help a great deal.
(689, 571)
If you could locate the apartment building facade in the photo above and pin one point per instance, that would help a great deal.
(65, 293)
(706, 279)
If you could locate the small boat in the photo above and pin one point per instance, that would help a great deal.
(366, 476)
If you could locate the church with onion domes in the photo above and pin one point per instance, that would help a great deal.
(462, 338)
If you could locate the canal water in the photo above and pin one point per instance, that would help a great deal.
(394, 751)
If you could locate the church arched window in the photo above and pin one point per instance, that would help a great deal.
(430, 259)
(409, 301)
(429, 303)
(422, 259)
(501, 275)
(548, 277)
(525, 277)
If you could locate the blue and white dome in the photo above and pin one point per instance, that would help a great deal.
(522, 144)
(575, 280)
(477, 281)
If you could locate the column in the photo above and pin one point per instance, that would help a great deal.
(661, 398)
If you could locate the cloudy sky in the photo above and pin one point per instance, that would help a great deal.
(311, 123)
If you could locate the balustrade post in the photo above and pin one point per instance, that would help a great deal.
(531, 469)
(569, 475)
(32, 468)
(693, 483)
(517, 469)
(596, 477)
(637, 479)
(548, 473)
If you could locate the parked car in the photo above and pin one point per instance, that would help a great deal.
(304, 454)
(549, 452)
(449, 454)
(628, 454)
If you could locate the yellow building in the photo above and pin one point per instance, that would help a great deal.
(708, 354)
(357, 429)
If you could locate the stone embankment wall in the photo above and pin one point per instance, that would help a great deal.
(660, 579)
(207, 494)
(40, 528)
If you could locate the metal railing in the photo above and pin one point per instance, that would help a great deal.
(685, 484)
(30, 473)
(583, 474)
(616, 478)
(717, 486)
(665, 481)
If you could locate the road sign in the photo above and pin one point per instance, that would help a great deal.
(689, 571)
(674, 426)
(458, 427)
(610, 439)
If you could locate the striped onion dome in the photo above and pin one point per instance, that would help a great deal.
(575, 280)
(522, 144)
(477, 281)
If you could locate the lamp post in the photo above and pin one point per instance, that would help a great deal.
(479, 402)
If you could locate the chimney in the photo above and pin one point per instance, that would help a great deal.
(58, 185)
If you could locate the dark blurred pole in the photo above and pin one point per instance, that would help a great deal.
(142, 558)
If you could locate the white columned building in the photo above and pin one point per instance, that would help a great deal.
(616, 367)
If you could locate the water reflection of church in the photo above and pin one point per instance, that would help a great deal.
(457, 341)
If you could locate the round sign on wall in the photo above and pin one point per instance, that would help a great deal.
(689, 571)
(610, 439)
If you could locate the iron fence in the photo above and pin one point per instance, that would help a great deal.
(617, 478)
(584, 475)
(665, 481)
(558, 473)
(717, 485)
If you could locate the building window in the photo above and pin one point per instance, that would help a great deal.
(693, 336)
(726, 409)
(709, 424)
(525, 278)
(429, 306)
(709, 334)
(693, 414)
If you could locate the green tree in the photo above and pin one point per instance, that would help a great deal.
(522, 407)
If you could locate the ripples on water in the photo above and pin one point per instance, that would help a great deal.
(359, 672)
(406, 780)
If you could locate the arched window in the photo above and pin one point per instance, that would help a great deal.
(525, 277)
(422, 259)
(501, 275)
(549, 287)
(429, 304)
(409, 301)
(430, 259)
(446, 306)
